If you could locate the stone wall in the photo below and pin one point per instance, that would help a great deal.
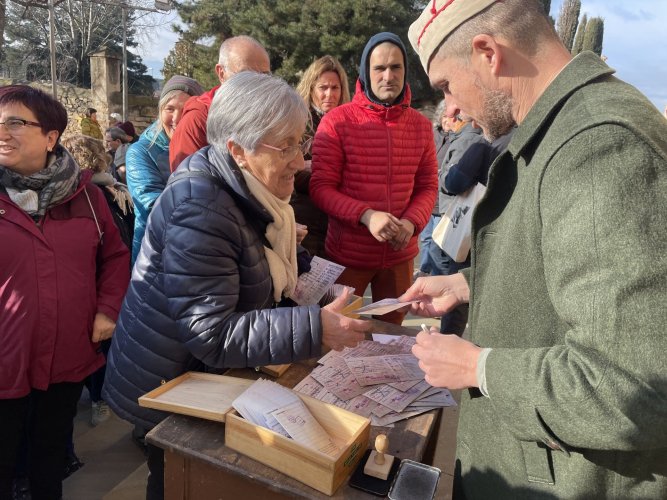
(142, 110)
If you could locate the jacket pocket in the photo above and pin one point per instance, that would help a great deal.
(538, 462)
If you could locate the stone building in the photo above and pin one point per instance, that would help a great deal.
(104, 95)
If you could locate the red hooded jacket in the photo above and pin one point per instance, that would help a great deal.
(190, 134)
(370, 156)
(54, 278)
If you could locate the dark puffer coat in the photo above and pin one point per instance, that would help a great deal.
(201, 292)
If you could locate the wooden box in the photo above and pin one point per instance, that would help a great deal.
(354, 304)
(317, 470)
(197, 394)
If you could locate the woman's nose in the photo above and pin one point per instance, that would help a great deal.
(176, 117)
(298, 163)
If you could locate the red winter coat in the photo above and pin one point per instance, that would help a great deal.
(369, 156)
(53, 281)
(190, 134)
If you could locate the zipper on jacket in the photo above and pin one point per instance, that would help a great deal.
(388, 185)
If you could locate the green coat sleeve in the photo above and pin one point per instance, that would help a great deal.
(603, 206)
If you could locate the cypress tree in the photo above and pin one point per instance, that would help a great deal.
(568, 19)
(579, 39)
(594, 35)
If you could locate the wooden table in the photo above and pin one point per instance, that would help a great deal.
(199, 466)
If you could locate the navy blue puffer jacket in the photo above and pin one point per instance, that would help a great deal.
(201, 292)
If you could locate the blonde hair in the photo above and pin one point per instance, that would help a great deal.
(88, 152)
(313, 73)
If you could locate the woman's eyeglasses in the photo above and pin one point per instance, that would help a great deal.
(290, 152)
(17, 125)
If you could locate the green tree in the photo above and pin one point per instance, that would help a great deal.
(295, 32)
(579, 39)
(594, 35)
(566, 26)
(191, 59)
(82, 27)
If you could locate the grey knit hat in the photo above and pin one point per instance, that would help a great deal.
(184, 83)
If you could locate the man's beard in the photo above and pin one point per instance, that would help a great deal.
(496, 118)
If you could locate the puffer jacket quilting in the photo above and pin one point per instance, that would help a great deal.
(201, 292)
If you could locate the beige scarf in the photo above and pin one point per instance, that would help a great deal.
(281, 234)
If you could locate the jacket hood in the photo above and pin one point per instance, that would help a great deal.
(364, 66)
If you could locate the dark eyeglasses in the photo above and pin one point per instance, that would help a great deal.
(17, 125)
(290, 152)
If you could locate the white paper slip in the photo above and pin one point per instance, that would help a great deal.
(385, 369)
(297, 420)
(311, 286)
(257, 402)
(338, 379)
(383, 338)
(395, 399)
(383, 306)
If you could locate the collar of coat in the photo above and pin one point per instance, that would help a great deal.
(223, 167)
(580, 71)
(361, 99)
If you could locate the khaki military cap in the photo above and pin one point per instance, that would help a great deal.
(439, 19)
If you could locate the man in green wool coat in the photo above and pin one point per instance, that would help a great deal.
(566, 365)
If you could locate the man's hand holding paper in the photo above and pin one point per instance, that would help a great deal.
(447, 360)
(436, 295)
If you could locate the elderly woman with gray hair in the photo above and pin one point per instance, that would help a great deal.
(219, 258)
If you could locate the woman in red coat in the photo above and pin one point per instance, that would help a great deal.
(63, 273)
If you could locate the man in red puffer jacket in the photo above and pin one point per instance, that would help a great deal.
(375, 175)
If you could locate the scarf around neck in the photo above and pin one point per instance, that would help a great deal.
(281, 234)
(38, 192)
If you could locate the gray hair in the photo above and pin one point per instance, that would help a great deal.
(230, 45)
(252, 106)
(117, 134)
(522, 22)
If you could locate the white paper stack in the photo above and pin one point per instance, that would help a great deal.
(277, 408)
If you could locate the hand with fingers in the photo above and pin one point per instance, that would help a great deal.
(339, 331)
(405, 232)
(447, 360)
(436, 295)
(103, 327)
(301, 232)
(382, 225)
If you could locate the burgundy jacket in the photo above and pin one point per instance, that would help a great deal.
(370, 156)
(190, 134)
(54, 278)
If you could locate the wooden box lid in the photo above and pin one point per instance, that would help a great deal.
(197, 394)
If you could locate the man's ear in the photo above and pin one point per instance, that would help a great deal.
(237, 152)
(220, 71)
(487, 54)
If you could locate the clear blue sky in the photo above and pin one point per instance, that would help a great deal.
(635, 35)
